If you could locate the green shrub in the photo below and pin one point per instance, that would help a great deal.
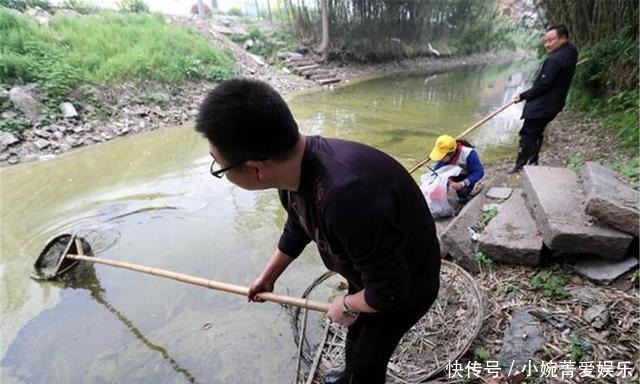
(22, 5)
(234, 11)
(135, 6)
(84, 7)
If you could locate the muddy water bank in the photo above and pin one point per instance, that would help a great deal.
(130, 109)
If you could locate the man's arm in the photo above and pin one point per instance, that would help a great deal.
(264, 283)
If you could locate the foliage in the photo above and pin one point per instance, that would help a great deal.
(481, 354)
(135, 6)
(575, 348)
(552, 285)
(84, 7)
(506, 288)
(483, 259)
(630, 170)
(488, 215)
(266, 45)
(510, 35)
(22, 5)
(575, 163)
(387, 29)
(102, 49)
(605, 86)
(234, 11)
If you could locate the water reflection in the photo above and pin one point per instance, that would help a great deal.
(149, 199)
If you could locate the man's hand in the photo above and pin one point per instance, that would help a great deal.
(259, 285)
(457, 185)
(336, 315)
(516, 98)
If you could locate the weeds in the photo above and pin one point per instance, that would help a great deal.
(576, 348)
(630, 170)
(481, 354)
(488, 215)
(483, 259)
(575, 163)
(552, 286)
(506, 288)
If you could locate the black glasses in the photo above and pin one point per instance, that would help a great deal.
(216, 171)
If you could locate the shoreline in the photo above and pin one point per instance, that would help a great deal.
(132, 109)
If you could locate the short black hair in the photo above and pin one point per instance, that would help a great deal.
(561, 30)
(247, 119)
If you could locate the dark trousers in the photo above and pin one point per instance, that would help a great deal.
(463, 193)
(531, 136)
(374, 337)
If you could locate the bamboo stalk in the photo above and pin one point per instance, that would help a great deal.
(212, 284)
(460, 136)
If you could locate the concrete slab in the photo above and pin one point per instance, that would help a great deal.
(521, 341)
(455, 239)
(499, 193)
(609, 199)
(604, 271)
(556, 198)
(512, 236)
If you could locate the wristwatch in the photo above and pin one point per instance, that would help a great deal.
(346, 311)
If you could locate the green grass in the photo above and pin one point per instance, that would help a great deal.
(483, 259)
(104, 49)
(551, 284)
(488, 215)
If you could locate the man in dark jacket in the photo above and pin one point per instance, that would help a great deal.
(361, 207)
(546, 98)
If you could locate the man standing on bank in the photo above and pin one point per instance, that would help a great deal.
(361, 207)
(546, 98)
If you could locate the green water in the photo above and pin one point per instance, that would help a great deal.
(149, 199)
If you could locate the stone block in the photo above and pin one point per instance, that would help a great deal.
(456, 240)
(609, 199)
(557, 201)
(512, 236)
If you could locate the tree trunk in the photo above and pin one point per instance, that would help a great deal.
(324, 45)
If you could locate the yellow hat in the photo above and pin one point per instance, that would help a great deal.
(444, 145)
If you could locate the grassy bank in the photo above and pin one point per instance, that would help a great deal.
(606, 87)
(103, 49)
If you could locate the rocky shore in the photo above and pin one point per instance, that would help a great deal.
(104, 113)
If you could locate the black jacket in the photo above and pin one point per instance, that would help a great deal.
(549, 91)
(369, 220)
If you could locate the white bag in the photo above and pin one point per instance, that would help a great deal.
(434, 188)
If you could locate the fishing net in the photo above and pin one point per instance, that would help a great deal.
(444, 334)
(52, 263)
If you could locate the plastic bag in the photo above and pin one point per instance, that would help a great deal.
(434, 188)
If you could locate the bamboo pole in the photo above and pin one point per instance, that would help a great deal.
(212, 284)
(460, 136)
(476, 125)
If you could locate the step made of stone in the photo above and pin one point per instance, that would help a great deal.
(306, 68)
(328, 81)
(296, 59)
(609, 199)
(512, 236)
(330, 75)
(556, 198)
(315, 71)
(321, 73)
